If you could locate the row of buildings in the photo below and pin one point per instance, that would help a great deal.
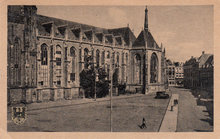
(195, 73)
(199, 72)
(175, 73)
(46, 56)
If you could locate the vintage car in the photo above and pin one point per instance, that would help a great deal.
(161, 95)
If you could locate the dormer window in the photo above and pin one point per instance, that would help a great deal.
(84, 38)
(62, 30)
(118, 41)
(98, 37)
(76, 33)
(88, 35)
(47, 28)
(108, 39)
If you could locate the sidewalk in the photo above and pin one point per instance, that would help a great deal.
(64, 103)
(169, 122)
(191, 116)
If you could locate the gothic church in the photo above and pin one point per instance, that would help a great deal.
(46, 56)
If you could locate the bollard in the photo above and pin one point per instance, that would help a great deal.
(171, 108)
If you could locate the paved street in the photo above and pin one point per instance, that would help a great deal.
(127, 116)
(191, 117)
(128, 112)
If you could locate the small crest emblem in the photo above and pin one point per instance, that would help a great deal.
(18, 115)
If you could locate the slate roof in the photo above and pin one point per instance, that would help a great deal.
(209, 62)
(203, 59)
(145, 37)
(191, 61)
(125, 32)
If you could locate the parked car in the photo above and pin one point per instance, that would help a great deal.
(161, 95)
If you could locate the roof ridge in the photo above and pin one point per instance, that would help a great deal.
(71, 21)
(119, 28)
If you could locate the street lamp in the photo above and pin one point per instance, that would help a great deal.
(96, 79)
(112, 72)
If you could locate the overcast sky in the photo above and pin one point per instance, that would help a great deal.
(185, 31)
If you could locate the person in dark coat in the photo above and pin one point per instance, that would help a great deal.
(143, 125)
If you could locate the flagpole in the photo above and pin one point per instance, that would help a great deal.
(112, 69)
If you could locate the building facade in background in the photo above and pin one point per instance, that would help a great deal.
(175, 73)
(179, 73)
(198, 72)
(170, 73)
(46, 56)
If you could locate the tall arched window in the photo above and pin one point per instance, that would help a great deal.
(97, 57)
(17, 54)
(103, 58)
(58, 55)
(123, 68)
(72, 52)
(154, 68)
(122, 57)
(86, 62)
(59, 63)
(73, 63)
(118, 55)
(126, 58)
(44, 54)
(113, 58)
(44, 63)
(137, 68)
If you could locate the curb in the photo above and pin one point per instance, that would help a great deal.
(165, 111)
(79, 103)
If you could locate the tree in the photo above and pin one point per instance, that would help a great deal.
(115, 78)
(87, 81)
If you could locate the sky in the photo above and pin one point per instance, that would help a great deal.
(184, 31)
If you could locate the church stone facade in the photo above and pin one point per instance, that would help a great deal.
(46, 56)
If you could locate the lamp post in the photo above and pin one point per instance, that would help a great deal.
(112, 72)
(96, 79)
(95, 86)
(111, 97)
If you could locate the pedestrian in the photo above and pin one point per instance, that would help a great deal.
(143, 125)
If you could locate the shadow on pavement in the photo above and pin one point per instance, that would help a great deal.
(208, 104)
(209, 107)
(203, 130)
(210, 121)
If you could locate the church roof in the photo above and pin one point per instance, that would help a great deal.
(125, 32)
(145, 37)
